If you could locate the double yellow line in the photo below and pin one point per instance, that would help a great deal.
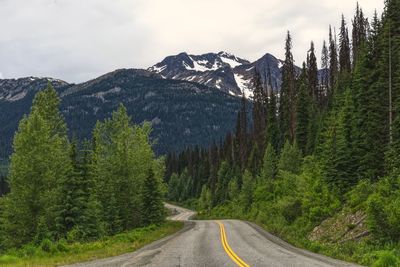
(228, 249)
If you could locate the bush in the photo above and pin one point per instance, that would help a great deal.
(48, 246)
(290, 209)
(376, 221)
(28, 251)
(359, 194)
(386, 259)
(73, 235)
(62, 245)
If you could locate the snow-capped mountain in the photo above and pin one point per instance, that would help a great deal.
(222, 70)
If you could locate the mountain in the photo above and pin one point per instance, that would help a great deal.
(222, 70)
(182, 113)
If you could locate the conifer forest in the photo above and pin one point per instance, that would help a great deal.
(315, 163)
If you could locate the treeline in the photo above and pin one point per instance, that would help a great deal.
(330, 139)
(63, 189)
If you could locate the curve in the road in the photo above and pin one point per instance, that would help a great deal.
(205, 243)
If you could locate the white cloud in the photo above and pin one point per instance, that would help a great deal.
(76, 40)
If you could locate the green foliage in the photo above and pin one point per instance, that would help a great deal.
(152, 205)
(387, 259)
(60, 190)
(39, 164)
(61, 253)
(290, 158)
(246, 195)
(268, 170)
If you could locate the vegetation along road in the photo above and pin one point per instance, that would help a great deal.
(217, 243)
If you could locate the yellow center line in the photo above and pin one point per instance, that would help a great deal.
(236, 259)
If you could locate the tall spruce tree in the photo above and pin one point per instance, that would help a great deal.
(287, 102)
(333, 65)
(152, 205)
(312, 75)
(258, 113)
(303, 110)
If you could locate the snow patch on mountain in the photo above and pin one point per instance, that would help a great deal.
(243, 84)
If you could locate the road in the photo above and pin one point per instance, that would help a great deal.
(217, 243)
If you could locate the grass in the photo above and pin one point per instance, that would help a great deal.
(63, 253)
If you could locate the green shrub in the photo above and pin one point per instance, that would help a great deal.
(386, 259)
(73, 235)
(359, 194)
(376, 220)
(28, 250)
(62, 245)
(48, 246)
(290, 209)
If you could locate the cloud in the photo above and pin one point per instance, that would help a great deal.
(77, 40)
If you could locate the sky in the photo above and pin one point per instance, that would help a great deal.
(77, 40)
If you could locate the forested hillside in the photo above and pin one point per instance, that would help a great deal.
(325, 149)
(64, 190)
(182, 113)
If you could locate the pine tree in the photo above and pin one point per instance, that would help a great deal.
(287, 104)
(121, 160)
(241, 139)
(312, 75)
(344, 56)
(72, 205)
(224, 176)
(152, 205)
(246, 194)
(333, 65)
(290, 158)
(258, 113)
(325, 83)
(359, 33)
(303, 111)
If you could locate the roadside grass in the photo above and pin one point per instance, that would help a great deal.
(55, 254)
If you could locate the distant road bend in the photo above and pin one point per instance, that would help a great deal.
(217, 243)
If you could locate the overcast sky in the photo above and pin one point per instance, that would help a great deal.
(76, 40)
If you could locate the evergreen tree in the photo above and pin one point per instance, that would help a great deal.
(268, 170)
(359, 33)
(325, 68)
(290, 158)
(224, 176)
(287, 104)
(312, 75)
(121, 160)
(333, 65)
(72, 204)
(152, 205)
(303, 111)
(271, 120)
(246, 194)
(39, 164)
(344, 55)
(258, 113)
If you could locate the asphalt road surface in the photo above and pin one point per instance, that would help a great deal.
(217, 243)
